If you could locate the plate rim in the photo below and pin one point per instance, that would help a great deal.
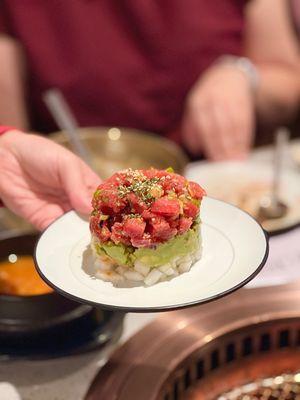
(171, 307)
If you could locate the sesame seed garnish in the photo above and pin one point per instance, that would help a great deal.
(146, 189)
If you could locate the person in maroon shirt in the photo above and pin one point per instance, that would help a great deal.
(151, 64)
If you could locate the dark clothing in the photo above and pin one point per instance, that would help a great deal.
(127, 63)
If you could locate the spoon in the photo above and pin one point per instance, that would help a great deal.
(66, 121)
(271, 207)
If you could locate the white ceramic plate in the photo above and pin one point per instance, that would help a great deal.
(235, 248)
(244, 184)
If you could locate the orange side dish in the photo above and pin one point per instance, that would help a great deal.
(20, 278)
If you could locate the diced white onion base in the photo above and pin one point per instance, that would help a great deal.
(141, 273)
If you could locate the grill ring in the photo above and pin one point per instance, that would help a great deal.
(180, 349)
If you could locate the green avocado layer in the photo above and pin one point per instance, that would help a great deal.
(179, 246)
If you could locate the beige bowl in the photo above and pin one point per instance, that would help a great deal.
(114, 149)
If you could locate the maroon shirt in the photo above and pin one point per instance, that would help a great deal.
(127, 63)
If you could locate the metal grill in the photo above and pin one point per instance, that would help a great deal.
(282, 387)
(207, 353)
(233, 349)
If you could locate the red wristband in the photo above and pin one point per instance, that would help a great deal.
(4, 129)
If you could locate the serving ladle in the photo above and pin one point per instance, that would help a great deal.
(271, 207)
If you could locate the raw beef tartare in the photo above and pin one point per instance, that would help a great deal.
(145, 226)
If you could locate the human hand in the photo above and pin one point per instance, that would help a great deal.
(40, 180)
(219, 114)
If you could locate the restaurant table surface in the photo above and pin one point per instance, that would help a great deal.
(69, 378)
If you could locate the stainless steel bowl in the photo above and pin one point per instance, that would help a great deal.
(114, 149)
(12, 225)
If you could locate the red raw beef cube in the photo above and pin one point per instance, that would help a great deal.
(137, 205)
(147, 214)
(117, 235)
(184, 224)
(160, 229)
(134, 227)
(166, 207)
(176, 183)
(196, 190)
(144, 241)
(190, 209)
(100, 230)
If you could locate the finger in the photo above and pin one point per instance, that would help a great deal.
(224, 129)
(91, 179)
(77, 180)
(43, 216)
(243, 123)
(208, 131)
(190, 137)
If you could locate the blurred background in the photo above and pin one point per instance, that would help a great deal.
(210, 88)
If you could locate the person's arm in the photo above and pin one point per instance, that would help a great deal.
(219, 115)
(220, 109)
(271, 44)
(12, 83)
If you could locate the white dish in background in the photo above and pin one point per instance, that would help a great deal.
(243, 184)
(235, 249)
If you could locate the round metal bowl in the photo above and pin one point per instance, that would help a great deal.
(49, 326)
(27, 314)
(12, 225)
(114, 149)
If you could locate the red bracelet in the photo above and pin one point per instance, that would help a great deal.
(4, 129)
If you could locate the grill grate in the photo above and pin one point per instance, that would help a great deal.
(250, 341)
(282, 387)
